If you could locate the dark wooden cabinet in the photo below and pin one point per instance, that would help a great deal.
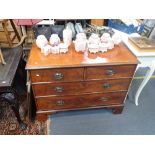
(8, 81)
(74, 80)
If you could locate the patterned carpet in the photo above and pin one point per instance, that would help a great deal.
(10, 126)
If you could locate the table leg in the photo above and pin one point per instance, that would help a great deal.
(11, 96)
(15, 108)
(144, 82)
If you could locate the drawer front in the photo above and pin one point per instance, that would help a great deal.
(80, 101)
(110, 72)
(54, 75)
(81, 87)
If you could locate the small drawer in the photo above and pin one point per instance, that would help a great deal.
(110, 72)
(68, 88)
(54, 75)
(80, 101)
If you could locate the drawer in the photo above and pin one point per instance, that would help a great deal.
(53, 75)
(81, 87)
(80, 101)
(110, 72)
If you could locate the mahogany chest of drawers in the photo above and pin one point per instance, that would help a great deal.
(79, 80)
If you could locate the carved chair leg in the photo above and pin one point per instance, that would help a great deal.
(15, 108)
(11, 96)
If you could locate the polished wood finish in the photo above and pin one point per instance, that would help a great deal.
(48, 75)
(77, 80)
(80, 101)
(119, 55)
(81, 87)
(118, 71)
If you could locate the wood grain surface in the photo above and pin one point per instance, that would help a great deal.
(118, 55)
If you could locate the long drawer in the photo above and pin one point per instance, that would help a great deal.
(80, 101)
(81, 87)
(57, 75)
(110, 72)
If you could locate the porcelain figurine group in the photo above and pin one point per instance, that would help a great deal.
(94, 44)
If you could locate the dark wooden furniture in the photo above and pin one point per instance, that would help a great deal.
(7, 74)
(79, 80)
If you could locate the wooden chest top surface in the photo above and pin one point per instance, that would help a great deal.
(120, 54)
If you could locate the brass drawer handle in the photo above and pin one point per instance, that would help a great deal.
(110, 72)
(106, 85)
(104, 99)
(60, 102)
(58, 76)
(59, 89)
